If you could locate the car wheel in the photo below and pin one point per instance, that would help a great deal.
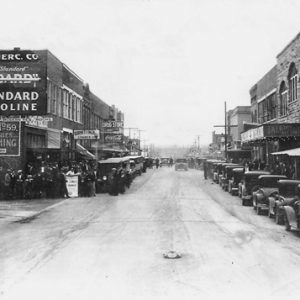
(270, 215)
(278, 219)
(244, 202)
(258, 210)
(287, 224)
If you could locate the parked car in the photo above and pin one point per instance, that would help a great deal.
(233, 183)
(268, 184)
(104, 170)
(287, 190)
(136, 164)
(181, 164)
(222, 175)
(217, 170)
(292, 213)
(228, 175)
(249, 184)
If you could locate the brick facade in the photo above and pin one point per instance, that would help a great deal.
(290, 54)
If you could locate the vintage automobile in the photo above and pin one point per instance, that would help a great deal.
(136, 164)
(210, 167)
(181, 164)
(228, 175)
(249, 184)
(292, 213)
(222, 174)
(287, 190)
(104, 170)
(268, 184)
(217, 170)
(233, 183)
(164, 161)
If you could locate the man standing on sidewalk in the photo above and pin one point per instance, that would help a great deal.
(7, 184)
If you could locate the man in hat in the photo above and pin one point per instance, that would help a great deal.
(7, 184)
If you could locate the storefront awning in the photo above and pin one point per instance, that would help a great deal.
(291, 152)
(271, 131)
(84, 151)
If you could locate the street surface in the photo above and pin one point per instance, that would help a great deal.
(112, 247)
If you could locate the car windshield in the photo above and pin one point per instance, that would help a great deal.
(287, 190)
(181, 160)
(269, 182)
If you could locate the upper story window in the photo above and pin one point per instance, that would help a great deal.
(54, 98)
(293, 79)
(283, 99)
(72, 105)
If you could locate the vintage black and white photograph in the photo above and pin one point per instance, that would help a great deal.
(149, 149)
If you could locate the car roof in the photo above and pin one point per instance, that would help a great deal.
(234, 166)
(289, 181)
(114, 160)
(273, 176)
(238, 169)
(257, 173)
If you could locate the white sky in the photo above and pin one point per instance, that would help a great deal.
(169, 65)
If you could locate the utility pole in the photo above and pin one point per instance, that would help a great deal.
(198, 141)
(226, 129)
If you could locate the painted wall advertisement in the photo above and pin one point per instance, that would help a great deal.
(23, 82)
(10, 138)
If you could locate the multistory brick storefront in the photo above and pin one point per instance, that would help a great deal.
(275, 106)
(48, 101)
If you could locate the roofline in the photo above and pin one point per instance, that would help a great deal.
(295, 38)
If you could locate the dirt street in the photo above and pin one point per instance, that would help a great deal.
(112, 247)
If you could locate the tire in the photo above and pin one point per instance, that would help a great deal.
(244, 202)
(269, 214)
(258, 210)
(278, 219)
(286, 224)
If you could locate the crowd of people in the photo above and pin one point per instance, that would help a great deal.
(48, 180)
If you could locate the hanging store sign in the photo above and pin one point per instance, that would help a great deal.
(10, 138)
(86, 134)
(37, 121)
(282, 130)
(272, 131)
(252, 134)
(113, 138)
(23, 82)
(111, 125)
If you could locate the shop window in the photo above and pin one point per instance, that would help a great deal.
(283, 94)
(293, 79)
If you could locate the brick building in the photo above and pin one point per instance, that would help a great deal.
(52, 101)
(237, 117)
(275, 106)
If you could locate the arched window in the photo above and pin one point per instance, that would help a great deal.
(283, 99)
(292, 80)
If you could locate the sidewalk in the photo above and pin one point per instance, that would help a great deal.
(18, 210)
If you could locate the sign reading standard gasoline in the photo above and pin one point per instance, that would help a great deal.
(9, 138)
(23, 82)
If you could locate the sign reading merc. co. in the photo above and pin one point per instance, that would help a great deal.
(23, 82)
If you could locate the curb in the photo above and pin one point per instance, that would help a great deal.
(36, 214)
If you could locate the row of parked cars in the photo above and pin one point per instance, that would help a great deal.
(274, 195)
